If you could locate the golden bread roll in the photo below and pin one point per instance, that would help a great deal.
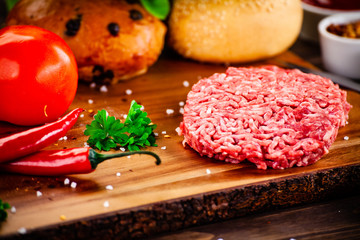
(111, 40)
(230, 31)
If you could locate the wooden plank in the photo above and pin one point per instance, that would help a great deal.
(180, 188)
(336, 219)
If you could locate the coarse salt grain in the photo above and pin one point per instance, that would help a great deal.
(92, 85)
(181, 110)
(122, 149)
(169, 111)
(66, 181)
(129, 156)
(38, 193)
(73, 184)
(125, 116)
(186, 83)
(13, 209)
(346, 138)
(22, 230)
(82, 115)
(177, 130)
(128, 91)
(163, 132)
(156, 134)
(106, 204)
(142, 108)
(118, 174)
(163, 148)
(181, 103)
(90, 101)
(208, 171)
(109, 187)
(86, 144)
(103, 88)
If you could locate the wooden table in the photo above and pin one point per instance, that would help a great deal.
(186, 190)
(334, 219)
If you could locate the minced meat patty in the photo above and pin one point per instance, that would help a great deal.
(270, 116)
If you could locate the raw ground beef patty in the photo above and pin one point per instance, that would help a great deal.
(270, 116)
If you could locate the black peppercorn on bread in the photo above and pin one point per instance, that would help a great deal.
(112, 39)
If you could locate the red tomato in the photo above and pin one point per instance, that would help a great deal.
(38, 75)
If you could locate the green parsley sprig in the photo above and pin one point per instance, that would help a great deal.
(105, 132)
(3, 207)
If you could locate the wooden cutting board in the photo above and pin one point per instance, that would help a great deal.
(183, 191)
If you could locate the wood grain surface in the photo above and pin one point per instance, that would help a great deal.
(182, 178)
(335, 219)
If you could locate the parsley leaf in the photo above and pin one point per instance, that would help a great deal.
(3, 213)
(10, 4)
(105, 132)
(158, 8)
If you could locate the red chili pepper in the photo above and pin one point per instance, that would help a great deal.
(63, 162)
(29, 141)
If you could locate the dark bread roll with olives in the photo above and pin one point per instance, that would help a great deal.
(112, 39)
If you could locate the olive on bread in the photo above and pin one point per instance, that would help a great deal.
(112, 40)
